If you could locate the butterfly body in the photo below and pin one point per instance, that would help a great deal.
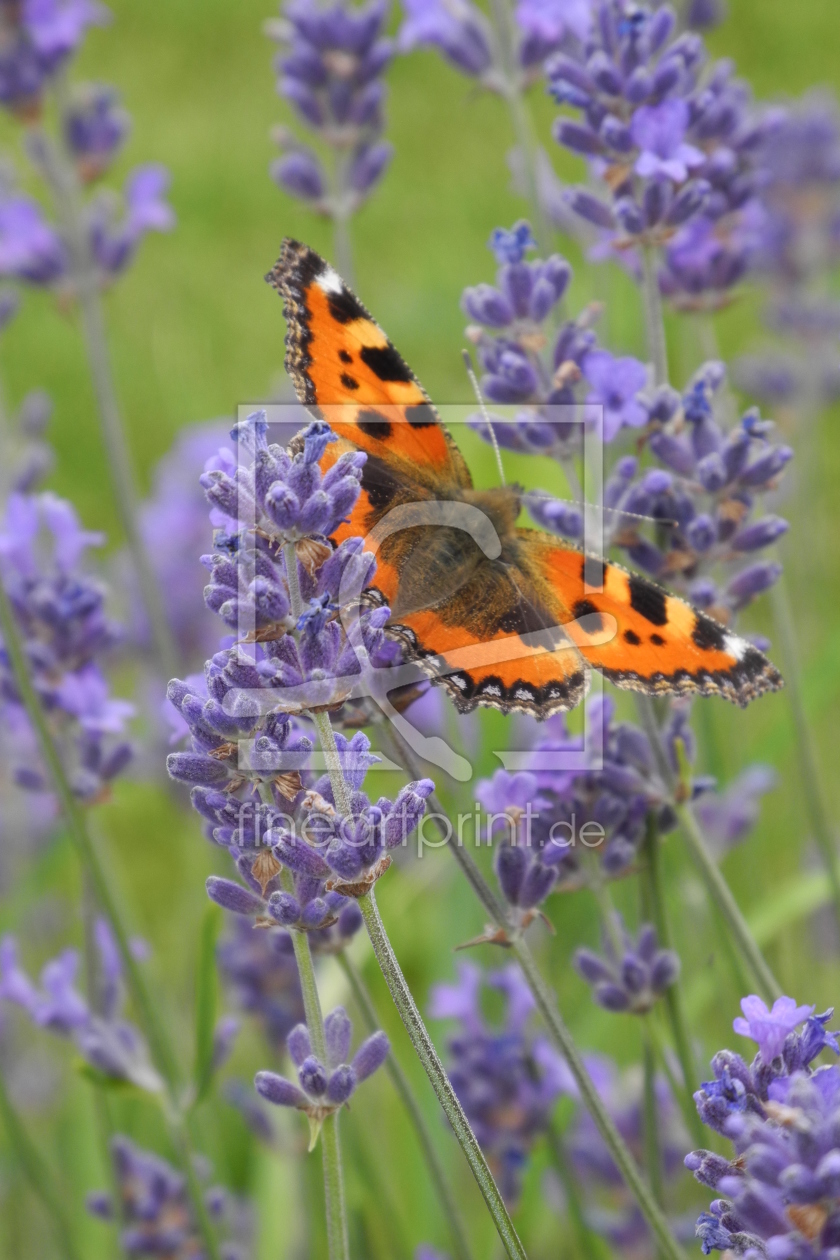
(502, 616)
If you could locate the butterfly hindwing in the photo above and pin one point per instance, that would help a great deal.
(642, 638)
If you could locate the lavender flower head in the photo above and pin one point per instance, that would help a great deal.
(33, 251)
(36, 39)
(632, 974)
(246, 758)
(470, 42)
(780, 1191)
(526, 365)
(675, 144)
(506, 1079)
(324, 1088)
(66, 634)
(330, 68)
(106, 1041)
(155, 1213)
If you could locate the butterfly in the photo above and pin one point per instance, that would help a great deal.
(500, 615)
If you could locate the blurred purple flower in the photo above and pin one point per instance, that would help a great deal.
(659, 132)
(770, 1027)
(616, 384)
(30, 249)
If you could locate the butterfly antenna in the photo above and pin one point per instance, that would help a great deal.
(607, 511)
(485, 414)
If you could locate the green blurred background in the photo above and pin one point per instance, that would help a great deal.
(194, 331)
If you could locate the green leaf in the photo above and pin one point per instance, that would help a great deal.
(206, 1001)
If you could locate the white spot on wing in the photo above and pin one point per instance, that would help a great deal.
(329, 281)
(735, 647)
(492, 690)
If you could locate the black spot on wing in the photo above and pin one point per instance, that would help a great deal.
(379, 483)
(592, 571)
(386, 363)
(345, 307)
(648, 600)
(707, 634)
(632, 638)
(587, 616)
(657, 640)
(349, 382)
(373, 424)
(345, 357)
(421, 416)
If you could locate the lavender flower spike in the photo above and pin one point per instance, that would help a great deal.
(323, 1088)
(634, 980)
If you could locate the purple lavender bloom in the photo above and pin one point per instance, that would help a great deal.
(36, 38)
(155, 1213)
(95, 129)
(460, 31)
(634, 980)
(324, 1088)
(512, 346)
(107, 1042)
(616, 384)
(658, 132)
(66, 634)
(676, 143)
(330, 68)
(780, 1190)
(145, 209)
(506, 1079)
(769, 1028)
(30, 249)
(727, 817)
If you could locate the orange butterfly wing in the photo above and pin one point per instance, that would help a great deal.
(639, 636)
(344, 367)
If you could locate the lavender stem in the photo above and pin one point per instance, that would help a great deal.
(80, 836)
(428, 1056)
(809, 774)
(523, 128)
(61, 177)
(38, 1175)
(674, 1004)
(403, 1087)
(559, 1033)
(654, 316)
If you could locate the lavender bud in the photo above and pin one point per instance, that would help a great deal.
(232, 896)
(313, 1076)
(762, 533)
(370, 1055)
(276, 1089)
(590, 208)
(338, 1031)
(486, 305)
(193, 768)
(752, 581)
(298, 1044)
(577, 138)
(341, 1084)
(299, 173)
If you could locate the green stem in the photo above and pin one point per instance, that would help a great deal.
(674, 1004)
(80, 836)
(546, 1004)
(653, 1155)
(336, 1212)
(422, 1042)
(654, 317)
(402, 1085)
(562, 1039)
(38, 1175)
(716, 886)
(721, 894)
(588, 1246)
(523, 127)
(805, 753)
(60, 174)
